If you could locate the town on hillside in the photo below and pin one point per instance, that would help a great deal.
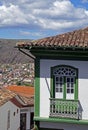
(17, 74)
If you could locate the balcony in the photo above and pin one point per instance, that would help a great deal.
(65, 108)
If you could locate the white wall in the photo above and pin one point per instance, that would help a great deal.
(45, 66)
(14, 120)
(64, 126)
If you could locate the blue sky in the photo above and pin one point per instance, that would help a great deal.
(34, 19)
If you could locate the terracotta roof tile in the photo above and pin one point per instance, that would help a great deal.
(5, 95)
(77, 38)
(22, 90)
(26, 94)
(28, 101)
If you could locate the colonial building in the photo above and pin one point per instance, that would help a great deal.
(61, 80)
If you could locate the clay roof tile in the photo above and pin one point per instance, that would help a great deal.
(77, 38)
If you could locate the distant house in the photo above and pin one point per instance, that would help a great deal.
(25, 95)
(9, 111)
(61, 80)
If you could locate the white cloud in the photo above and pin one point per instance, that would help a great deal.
(30, 34)
(48, 14)
(11, 15)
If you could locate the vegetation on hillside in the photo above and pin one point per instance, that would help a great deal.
(10, 54)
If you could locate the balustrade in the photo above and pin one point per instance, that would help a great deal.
(64, 108)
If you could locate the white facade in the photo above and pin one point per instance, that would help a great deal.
(45, 77)
(9, 117)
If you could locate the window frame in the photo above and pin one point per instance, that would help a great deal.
(53, 82)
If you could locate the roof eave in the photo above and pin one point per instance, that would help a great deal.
(54, 47)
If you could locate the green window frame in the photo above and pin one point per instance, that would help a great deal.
(57, 70)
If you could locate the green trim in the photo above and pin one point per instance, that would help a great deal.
(53, 82)
(60, 120)
(37, 87)
(81, 55)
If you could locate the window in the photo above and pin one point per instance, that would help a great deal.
(8, 120)
(64, 82)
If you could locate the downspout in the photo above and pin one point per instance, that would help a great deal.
(48, 88)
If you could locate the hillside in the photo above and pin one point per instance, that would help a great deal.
(9, 54)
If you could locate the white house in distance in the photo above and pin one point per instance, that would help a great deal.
(25, 96)
(61, 80)
(9, 111)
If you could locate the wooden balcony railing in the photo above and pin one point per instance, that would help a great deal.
(64, 108)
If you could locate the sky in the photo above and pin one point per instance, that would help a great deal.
(35, 19)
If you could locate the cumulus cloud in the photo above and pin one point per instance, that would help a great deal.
(11, 15)
(50, 14)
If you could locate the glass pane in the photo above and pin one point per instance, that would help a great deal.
(57, 90)
(68, 90)
(72, 80)
(56, 85)
(60, 89)
(68, 85)
(68, 79)
(72, 85)
(72, 90)
(60, 84)
(57, 79)
(60, 79)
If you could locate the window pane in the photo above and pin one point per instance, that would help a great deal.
(60, 89)
(57, 90)
(72, 85)
(68, 90)
(72, 91)
(57, 79)
(68, 85)
(61, 79)
(72, 80)
(68, 79)
(60, 84)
